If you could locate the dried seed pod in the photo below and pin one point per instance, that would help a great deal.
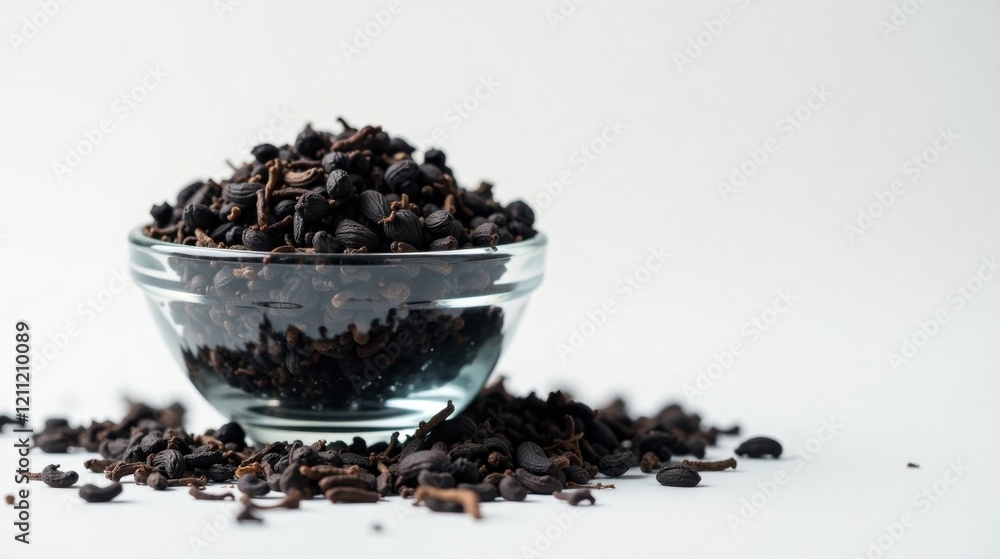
(52, 477)
(325, 243)
(511, 489)
(329, 482)
(258, 240)
(716, 466)
(542, 485)
(433, 460)
(94, 494)
(678, 475)
(252, 486)
(574, 498)
(312, 206)
(758, 447)
(531, 457)
(373, 205)
(203, 458)
(486, 491)
(650, 462)
(487, 234)
(400, 175)
(264, 153)
(616, 465)
(520, 211)
(577, 474)
(157, 481)
(335, 160)
(199, 216)
(171, 462)
(339, 184)
(243, 194)
(441, 480)
(351, 495)
(439, 222)
(404, 227)
(444, 243)
(354, 235)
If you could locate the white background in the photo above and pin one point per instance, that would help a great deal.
(687, 123)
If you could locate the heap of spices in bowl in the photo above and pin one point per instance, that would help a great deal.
(357, 191)
(502, 447)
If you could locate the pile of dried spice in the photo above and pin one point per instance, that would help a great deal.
(356, 191)
(503, 446)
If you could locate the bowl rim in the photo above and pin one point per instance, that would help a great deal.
(137, 239)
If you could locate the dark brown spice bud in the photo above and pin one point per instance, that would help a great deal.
(312, 206)
(678, 475)
(94, 494)
(511, 489)
(758, 447)
(616, 465)
(574, 498)
(351, 495)
(354, 235)
(717, 466)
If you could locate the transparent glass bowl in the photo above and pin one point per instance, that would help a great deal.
(307, 346)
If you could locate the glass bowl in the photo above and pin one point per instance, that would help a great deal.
(308, 346)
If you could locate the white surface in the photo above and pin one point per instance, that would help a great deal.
(655, 186)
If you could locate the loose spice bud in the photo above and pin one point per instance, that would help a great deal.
(468, 499)
(574, 498)
(52, 477)
(678, 475)
(95, 494)
(616, 465)
(351, 495)
(717, 466)
(758, 447)
(203, 496)
(511, 489)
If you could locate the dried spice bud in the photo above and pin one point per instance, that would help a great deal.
(94, 494)
(52, 477)
(531, 457)
(354, 235)
(339, 184)
(373, 206)
(717, 466)
(442, 480)
(171, 462)
(574, 498)
(252, 486)
(577, 474)
(199, 216)
(157, 481)
(335, 160)
(401, 176)
(258, 240)
(264, 153)
(542, 485)
(678, 475)
(433, 460)
(204, 496)
(439, 222)
(519, 211)
(469, 500)
(650, 462)
(487, 234)
(758, 447)
(487, 492)
(312, 206)
(511, 489)
(351, 495)
(404, 226)
(444, 243)
(616, 465)
(242, 193)
(325, 243)
(203, 458)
